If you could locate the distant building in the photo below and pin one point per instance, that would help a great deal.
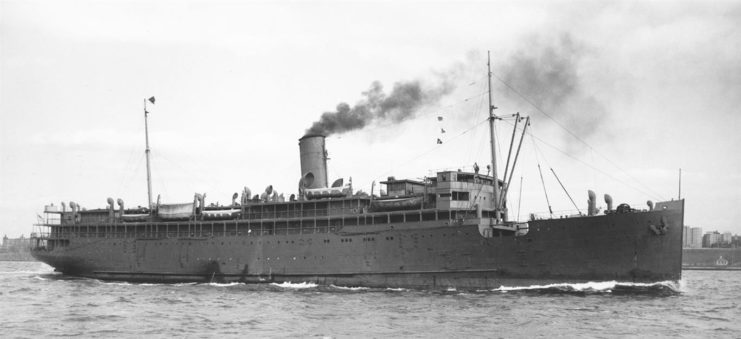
(711, 239)
(15, 245)
(695, 236)
(726, 238)
(686, 240)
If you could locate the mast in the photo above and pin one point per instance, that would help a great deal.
(146, 138)
(492, 118)
(679, 195)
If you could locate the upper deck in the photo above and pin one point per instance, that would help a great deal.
(446, 200)
(448, 191)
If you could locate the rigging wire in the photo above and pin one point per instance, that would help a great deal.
(537, 160)
(594, 168)
(160, 183)
(474, 153)
(128, 177)
(537, 151)
(465, 100)
(126, 169)
(540, 110)
(431, 149)
(541, 174)
(545, 191)
(479, 106)
(188, 172)
(564, 189)
(519, 200)
(447, 140)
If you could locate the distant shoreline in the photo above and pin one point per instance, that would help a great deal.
(16, 257)
(710, 268)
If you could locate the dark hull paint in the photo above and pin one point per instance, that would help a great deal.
(433, 254)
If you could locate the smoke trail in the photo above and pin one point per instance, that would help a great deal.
(546, 72)
(399, 105)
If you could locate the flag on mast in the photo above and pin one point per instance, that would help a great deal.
(151, 100)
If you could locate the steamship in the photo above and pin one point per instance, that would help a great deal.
(451, 230)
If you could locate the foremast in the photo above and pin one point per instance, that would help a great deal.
(492, 118)
(500, 194)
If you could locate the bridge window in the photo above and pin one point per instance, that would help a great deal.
(461, 196)
(396, 187)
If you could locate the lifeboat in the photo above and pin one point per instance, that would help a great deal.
(135, 217)
(175, 211)
(220, 214)
(395, 204)
(328, 192)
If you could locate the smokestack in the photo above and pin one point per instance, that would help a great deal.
(313, 161)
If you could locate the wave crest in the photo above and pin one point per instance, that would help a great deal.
(288, 284)
(614, 287)
(348, 288)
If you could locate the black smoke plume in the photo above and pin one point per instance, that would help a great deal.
(405, 99)
(546, 72)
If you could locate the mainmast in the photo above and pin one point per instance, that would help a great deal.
(146, 138)
(493, 118)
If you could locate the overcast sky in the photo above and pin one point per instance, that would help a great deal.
(642, 89)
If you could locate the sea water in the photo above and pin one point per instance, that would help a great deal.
(37, 302)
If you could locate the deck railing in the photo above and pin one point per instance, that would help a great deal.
(205, 229)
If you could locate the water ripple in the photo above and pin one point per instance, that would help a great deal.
(704, 303)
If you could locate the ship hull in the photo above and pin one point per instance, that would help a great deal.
(428, 254)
